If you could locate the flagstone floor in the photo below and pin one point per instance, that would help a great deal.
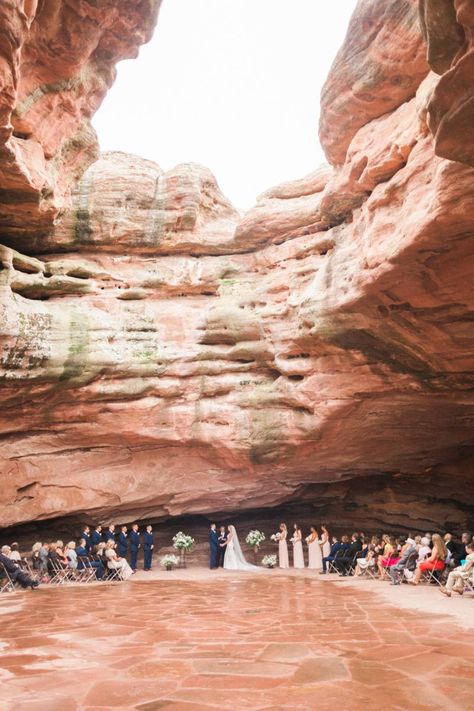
(235, 641)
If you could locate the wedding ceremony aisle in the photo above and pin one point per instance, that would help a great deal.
(200, 640)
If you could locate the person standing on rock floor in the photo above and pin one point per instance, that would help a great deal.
(213, 547)
(134, 540)
(148, 545)
(123, 542)
(96, 537)
(87, 538)
(222, 538)
(110, 533)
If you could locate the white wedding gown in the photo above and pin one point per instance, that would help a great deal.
(234, 558)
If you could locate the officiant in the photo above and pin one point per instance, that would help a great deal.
(222, 538)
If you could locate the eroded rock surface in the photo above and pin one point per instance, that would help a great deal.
(163, 355)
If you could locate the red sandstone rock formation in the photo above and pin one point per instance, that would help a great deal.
(57, 60)
(162, 355)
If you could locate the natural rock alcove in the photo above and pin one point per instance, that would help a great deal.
(163, 355)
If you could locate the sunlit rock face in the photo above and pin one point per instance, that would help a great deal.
(163, 355)
(57, 61)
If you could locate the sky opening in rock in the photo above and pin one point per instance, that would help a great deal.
(231, 84)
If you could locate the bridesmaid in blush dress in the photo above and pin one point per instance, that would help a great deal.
(315, 558)
(325, 542)
(283, 547)
(297, 540)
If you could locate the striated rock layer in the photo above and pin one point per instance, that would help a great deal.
(162, 355)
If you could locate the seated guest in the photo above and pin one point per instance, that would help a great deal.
(424, 549)
(453, 550)
(116, 563)
(61, 553)
(335, 546)
(15, 552)
(343, 562)
(460, 575)
(390, 556)
(466, 539)
(43, 554)
(96, 537)
(16, 574)
(367, 561)
(436, 561)
(100, 554)
(71, 555)
(81, 552)
(35, 557)
(55, 557)
(408, 553)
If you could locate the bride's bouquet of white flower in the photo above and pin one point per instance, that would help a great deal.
(255, 538)
(275, 537)
(269, 560)
(182, 542)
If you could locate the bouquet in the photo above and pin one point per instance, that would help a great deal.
(275, 537)
(182, 542)
(269, 560)
(169, 561)
(255, 538)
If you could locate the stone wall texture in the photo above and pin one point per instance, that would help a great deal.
(163, 355)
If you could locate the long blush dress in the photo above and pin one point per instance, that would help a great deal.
(298, 555)
(326, 546)
(315, 558)
(283, 560)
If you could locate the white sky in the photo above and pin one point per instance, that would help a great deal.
(231, 84)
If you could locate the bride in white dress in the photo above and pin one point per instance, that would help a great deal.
(234, 558)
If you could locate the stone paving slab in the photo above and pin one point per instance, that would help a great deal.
(236, 641)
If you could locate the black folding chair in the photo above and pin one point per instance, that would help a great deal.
(86, 572)
(7, 583)
(332, 563)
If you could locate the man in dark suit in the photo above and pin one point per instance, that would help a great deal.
(148, 545)
(96, 537)
(14, 572)
(110, 533)
(335, 547)
(343, 562)
(134, 541)
(222, 538)
(123, 542)
(87, 538)
(81, 552)
(213, 547)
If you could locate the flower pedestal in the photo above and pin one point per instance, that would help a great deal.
(182, 558)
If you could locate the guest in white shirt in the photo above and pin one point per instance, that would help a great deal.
(15, 553)
(71, 555)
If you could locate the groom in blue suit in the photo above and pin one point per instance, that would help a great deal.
(213, 547)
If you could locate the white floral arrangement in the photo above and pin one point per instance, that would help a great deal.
(169, 561)
(275, 537)
(182, 542)
(269, 560)
(255, 538)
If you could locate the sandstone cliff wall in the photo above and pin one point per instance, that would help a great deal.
(163, 355)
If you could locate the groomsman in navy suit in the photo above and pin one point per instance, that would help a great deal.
(96, 537)
(110, 533)
(148, 546)
(213, 547)
(221, 552)
(123, 542)
(87, 539)
(134, 540)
